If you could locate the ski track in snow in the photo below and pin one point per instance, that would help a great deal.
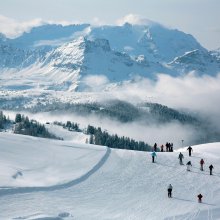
(22, 190)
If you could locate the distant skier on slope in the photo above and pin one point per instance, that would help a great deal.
(189, 165)
(181, 158)
(169, 189)
(171, 147)
(200, 198)
(153, 154)
(155, 147)
(190, 150)
(161, 148)
(210, 169)
(201, 164)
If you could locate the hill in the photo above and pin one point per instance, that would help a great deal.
(79, 181)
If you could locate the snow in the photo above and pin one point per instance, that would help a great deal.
(59, 58)
(76, 137)
(42, 162)
(67, 180)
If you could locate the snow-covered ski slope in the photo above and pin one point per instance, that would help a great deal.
(62, 180)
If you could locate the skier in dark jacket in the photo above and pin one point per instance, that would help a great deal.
(155, 147)
(169, 189)
(210, 169)
(189, 165)
(190, 150)
(171, 147)
(201, 164)
(200, 198)
(161, 148)
(181, 158)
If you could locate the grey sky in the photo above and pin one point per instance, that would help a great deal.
(197, 17)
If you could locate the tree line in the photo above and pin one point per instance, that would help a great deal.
(25, 126)
(99, 137)
(71, 126)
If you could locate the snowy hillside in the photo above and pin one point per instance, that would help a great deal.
(196, 60)
(56, 57)
(44, 179)
(67, 67)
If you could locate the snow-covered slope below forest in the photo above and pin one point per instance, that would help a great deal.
(44, 179)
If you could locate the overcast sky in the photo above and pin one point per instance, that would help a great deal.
(201, 18)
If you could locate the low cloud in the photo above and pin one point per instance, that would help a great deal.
(136, 130)
(198, 95)
(12, 28)
(134, 19)
(94, 83)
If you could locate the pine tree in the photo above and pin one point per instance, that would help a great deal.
(18, 118)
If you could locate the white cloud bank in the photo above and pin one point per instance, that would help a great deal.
(12, 28)
(196, 94)
(134, 19)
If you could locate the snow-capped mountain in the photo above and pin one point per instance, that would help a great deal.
(57, 57)
(197, 60)
(68, 66)
(216, 53)
(155, 42)
(81, 58)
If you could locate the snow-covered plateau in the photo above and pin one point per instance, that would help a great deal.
(42, 179)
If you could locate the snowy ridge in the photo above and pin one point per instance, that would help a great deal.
(61, 58)
(125, 184)
(196, 60)
(154, 41)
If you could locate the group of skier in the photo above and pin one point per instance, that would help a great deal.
(169, 148)
(189, 165)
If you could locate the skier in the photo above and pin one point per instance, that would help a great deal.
(190, 150)
(200, 198)
(168, 144)
(169, 189)
(155, 147)
(189, 165)
(171, 147)
(161, 148)
(201, 164)
(153, 154)
(181, 158)
(210, 168)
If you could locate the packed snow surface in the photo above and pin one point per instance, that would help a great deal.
(63, 180)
